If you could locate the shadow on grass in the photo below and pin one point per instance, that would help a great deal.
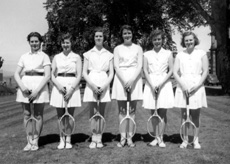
(54, 138)
(174, 138)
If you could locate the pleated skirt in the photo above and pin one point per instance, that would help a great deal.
(32, 82)
(57, 99)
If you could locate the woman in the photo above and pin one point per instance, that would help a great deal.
(190, 71)
(128, 65)
(158, 67)
(66, 75)
(33, 86)
(98, 73)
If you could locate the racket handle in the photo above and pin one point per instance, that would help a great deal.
(99, 94)
(128, 94)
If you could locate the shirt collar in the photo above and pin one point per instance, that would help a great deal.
(94, 49)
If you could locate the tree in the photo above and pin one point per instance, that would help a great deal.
(188, 14)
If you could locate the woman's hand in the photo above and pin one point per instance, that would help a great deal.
(26, 91)
(193, 90)
(68, 94)
(61, 89)
(129, 84)
(33, 95)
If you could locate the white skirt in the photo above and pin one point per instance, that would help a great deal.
(165, 98)
(32, 82)
(118, 91)
(197, 100)
(98, 78)
(57, 99)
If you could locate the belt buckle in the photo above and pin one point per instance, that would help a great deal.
(65, 74)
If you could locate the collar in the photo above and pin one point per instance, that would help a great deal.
(94, 49)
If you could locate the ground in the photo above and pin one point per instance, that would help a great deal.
(214, 137)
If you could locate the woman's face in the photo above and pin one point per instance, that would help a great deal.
(127, 36)
(98, 38)
(66, 45)
(35, 44)
(157, 41)
(189, 41)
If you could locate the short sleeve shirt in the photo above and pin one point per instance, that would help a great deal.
(66, 64)
(98, 60)
(34, 61)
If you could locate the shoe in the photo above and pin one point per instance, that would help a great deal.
(183, 145)
(28, 147)
(100, 145)
(92, 145)
(162, 144)
(153, 143)
(130, 143)
(68, 145)
(61, 144)
(34, 147)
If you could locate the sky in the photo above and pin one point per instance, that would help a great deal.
(20, 17)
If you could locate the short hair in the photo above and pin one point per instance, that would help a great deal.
(155, 33)
(100, 29)
(126, 27)
(66, 36)
(35, 34)
(187, 33)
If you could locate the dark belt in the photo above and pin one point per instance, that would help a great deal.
(66, 74)
(34, 73)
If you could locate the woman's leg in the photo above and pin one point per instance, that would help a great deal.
(183, 118)
(26, 116)
(60, 112)
(163, 114)
(131, 126)
(123, 128)
(195, 115)
(68, 144)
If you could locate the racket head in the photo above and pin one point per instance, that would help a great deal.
(155, 125)
(31, 129)
(67, 124)
(97, 124)
(188, 132)
(127, 127)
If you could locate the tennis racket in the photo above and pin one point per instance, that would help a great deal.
(127, 125)
(97, 121)
(188, 129)
(30, 124)
(155, 122)
(67, 122)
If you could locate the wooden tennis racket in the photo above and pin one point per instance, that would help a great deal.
(66, 122)
(188, 129)
(155, 122)
(127, 121)
(97, 121)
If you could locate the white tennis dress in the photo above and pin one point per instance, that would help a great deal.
(33, 62)
(66, 64)
(191, 71)
(128, 60)
(158, 68)
(98, 66)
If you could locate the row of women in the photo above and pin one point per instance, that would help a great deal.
(189, 69)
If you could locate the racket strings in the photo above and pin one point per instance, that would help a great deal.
(97, 124)
(188, 132)
(67, 125)
(155, 126)
(127, 128)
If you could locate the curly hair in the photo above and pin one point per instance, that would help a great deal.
(35, 34)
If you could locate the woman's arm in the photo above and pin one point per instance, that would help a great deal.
(19, 82)
(77, 80)
(53, 77)
(170, 63)
(86, 77)
(204, 75)
(138, 70)
(117, 68)
(110, 77)
(176, 70)
(146, 73)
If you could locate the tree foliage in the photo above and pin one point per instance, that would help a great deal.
(80, 17)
